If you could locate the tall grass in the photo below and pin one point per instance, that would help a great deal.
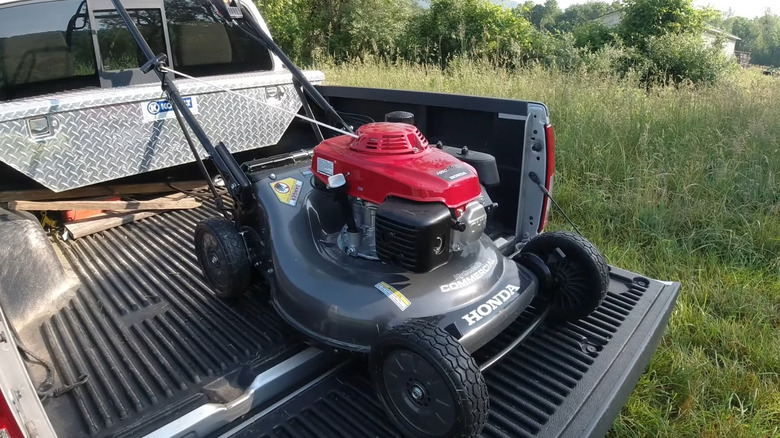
(679, 184)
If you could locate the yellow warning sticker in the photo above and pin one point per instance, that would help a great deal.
(287, 190)
(394, 294)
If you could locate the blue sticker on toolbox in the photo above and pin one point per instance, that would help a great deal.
(163, 109)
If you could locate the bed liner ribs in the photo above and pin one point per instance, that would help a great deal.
(147, 330)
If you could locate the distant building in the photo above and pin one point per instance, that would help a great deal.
(729, 41)
(610, 20)
(710, 34)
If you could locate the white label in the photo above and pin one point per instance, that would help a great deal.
(492, 304)
(163, 109)
(324, 166)
(394, 294)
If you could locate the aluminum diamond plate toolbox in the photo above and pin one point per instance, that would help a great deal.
(99, 135)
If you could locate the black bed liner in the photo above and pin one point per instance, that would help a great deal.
(155, 342)
(567, 380)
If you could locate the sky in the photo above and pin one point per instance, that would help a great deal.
(745, 8)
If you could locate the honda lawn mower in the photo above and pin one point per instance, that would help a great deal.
(374, 242)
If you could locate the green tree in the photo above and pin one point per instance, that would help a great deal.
(592, 35)
(580, 14)
(744, 29)
(338, 28)
(760, 36)
(287, 20)
(470, 27)
(677, 57)
(371, 27)
(543, 16)
(643, 19)
(766, 49)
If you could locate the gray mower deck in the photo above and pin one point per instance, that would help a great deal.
(569, 380)
(153, 339)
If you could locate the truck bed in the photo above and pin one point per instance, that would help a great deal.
(156, 344)
(145, 328)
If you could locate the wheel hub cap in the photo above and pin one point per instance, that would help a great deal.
(417, 392)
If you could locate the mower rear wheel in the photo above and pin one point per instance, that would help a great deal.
(222, 256)
(429, 385)
(580, 275)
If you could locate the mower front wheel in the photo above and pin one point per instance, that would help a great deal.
(579, 273)
(429, 385)
(223, 257)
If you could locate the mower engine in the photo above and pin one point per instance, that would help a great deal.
(407, 203)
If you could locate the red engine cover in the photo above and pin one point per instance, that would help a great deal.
(394, 159)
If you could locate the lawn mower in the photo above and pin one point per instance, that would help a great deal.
(375, 242)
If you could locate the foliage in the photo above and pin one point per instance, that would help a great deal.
(337, 28)
(674, 58)
(760, 36)
(542, 16)
(593, 35)
(643, 19)
(581, 14)
(474, 27)
(372, 26)
(657, 37)
(557, 51)
(616, 60)
(287, 21)
(667, 35)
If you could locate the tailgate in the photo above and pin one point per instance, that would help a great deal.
(569, 380)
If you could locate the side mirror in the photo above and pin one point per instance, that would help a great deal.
(228, 9)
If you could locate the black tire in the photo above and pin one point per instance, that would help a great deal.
(580, 275)
(223, 257)
(429, 385)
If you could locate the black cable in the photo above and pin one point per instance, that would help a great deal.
(535, 178)
(30, 357)
(64, 389)
(44, 390)
(360, 118)
(345, 113)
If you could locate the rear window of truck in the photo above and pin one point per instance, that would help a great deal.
(118, 50)
(48, 46)
(45, 47)
(202, 45)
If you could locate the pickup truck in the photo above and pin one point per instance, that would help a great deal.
(118, 333)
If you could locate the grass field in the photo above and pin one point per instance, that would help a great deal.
(678, 184)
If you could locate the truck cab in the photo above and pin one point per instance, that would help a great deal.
(117, 333)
